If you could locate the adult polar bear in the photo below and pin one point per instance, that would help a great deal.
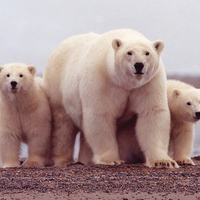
(95, 82)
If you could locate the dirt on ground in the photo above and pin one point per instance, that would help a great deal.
(123, 182)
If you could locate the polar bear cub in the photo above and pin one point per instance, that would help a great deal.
(184, 105)
(94, 82)
(25, 116)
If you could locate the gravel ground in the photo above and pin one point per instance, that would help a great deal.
(123, 182)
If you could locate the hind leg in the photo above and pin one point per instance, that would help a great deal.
(63, 138)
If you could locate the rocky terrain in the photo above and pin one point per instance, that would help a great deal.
(124, 182)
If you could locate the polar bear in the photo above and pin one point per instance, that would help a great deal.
(25, 117)
(95, 82)
(184, 105)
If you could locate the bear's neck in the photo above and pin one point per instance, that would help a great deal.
(25, 100)
(178, 120)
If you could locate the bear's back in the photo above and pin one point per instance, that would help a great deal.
(176, 84)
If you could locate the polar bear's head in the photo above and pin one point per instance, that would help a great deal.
(16, 77)
(186, 104)
(138, 60)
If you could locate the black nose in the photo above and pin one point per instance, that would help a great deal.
(197, 115)
(13, 83)
(138, 67)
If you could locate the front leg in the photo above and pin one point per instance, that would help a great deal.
(152, 131)
(100, 134)
(38, 141)
(182, 144)
(38, 138)
(9, 149)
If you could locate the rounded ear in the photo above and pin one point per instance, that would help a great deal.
(176, 93)
(158, 45)
(32, 69)
(1, 68)
(116, 43)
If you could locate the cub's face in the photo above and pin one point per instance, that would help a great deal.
(138, 61)
(16, 77)
(187, 104)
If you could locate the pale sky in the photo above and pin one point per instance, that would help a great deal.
(30, 30)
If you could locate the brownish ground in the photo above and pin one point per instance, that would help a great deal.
(122, 182)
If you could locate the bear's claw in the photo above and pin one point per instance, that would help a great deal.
(164, 164)
(185, 162)
(108, 162)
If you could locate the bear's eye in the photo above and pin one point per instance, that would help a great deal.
(129, 53)
(21, 75)
(147, 53)
(8, 75)
(188, 103)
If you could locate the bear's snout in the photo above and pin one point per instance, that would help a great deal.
(197, 114)
(13, 84)
(138, 67)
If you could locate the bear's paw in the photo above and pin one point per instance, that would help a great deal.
(162, 164)
(185, 161)
(29, 163)
(107, 161)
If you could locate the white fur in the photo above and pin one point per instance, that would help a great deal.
(91, 84)
(183, 118)
(25, 117)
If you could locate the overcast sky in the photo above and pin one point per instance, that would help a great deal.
(30, 30)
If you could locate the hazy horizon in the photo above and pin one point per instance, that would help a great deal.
(31, 30)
